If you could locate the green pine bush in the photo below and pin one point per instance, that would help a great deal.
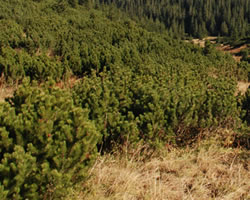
(246, 107)
(156, 106)
(11, 33)
(47, 144)
(243, 137)
(15, 65)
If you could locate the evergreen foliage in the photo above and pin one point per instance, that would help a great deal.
(246, 107)
(47, 144)
(243, 136)
(155, 106)
(195, 18)
(17, 64)
(137, 85)
(50, 38)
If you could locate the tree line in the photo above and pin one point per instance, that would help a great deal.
(193, 18)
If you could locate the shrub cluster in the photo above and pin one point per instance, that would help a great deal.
(156, 108)
(44, 39)
(18, 64)
(47, 144)
(136, 87)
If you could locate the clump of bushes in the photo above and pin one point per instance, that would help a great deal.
(246, 106)
(46, 143)
(17, 64)
(156, 109)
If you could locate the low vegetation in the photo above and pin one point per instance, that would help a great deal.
(207, 171)
(83, 87)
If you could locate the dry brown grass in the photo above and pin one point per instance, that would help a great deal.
(233, 50)
(68, 83)
(222, 47)
(6, 90)
(207, 172)
(201, 42)
(242, 87)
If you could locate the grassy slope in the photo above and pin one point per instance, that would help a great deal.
(203, 172)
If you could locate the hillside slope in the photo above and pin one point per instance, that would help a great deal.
(134, 87)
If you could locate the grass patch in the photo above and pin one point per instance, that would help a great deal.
(201, 172)
(6, 89)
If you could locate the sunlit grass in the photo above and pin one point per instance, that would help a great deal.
(201, 172)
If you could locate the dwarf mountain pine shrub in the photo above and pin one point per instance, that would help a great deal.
(246, 106)
(15, 65)
(46, 143)
(129, 107)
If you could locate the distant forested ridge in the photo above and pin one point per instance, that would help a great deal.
(196, 18)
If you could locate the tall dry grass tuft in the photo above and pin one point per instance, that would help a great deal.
(6, 89)
(197, 173)
(242, 87)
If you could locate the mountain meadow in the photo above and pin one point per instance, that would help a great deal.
(115, 100)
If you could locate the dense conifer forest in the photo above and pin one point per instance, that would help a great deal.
(136, 82)
(192, 18)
